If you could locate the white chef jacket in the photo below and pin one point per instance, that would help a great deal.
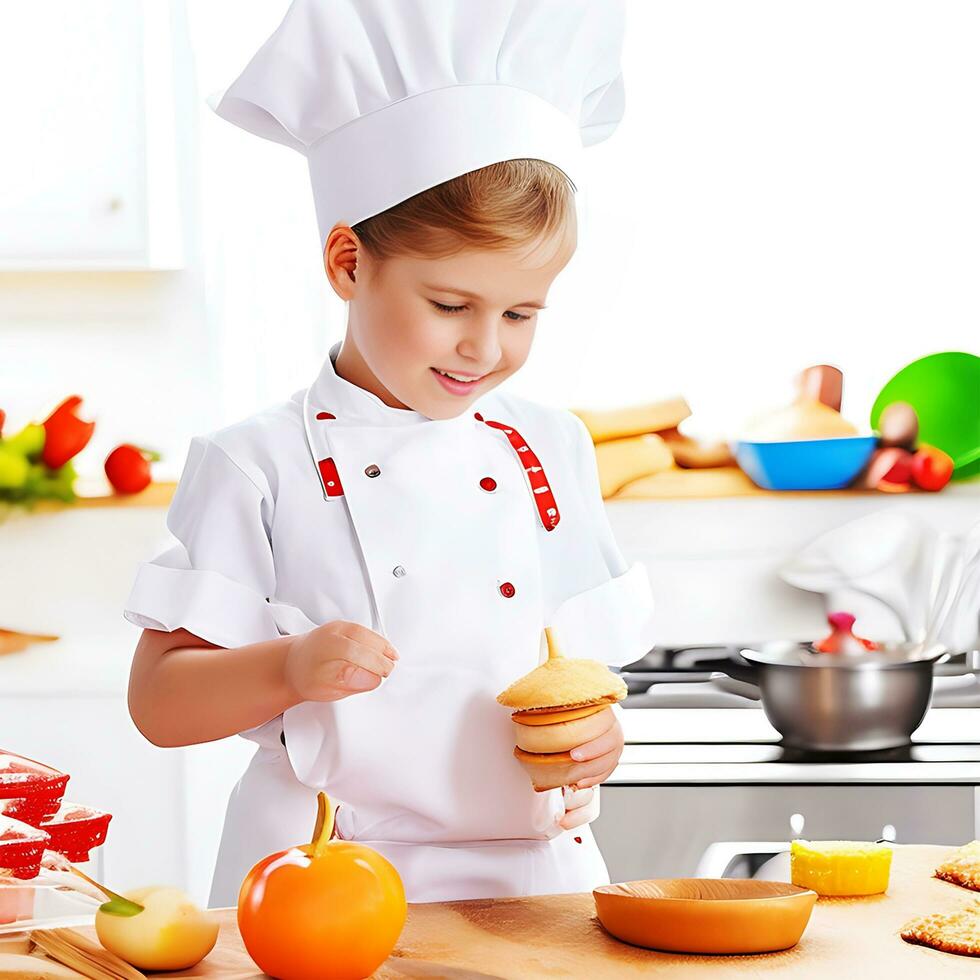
(457, 539)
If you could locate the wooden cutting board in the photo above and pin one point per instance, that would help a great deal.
(559, 936)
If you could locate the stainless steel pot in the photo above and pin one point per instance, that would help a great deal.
(826, 703)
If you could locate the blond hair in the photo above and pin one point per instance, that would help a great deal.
(505, 205)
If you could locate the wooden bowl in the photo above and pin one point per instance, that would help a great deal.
(706, 915)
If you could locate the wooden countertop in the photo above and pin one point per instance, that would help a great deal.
(559, 936)
(729, 481)
(94, 492)
(675, 484)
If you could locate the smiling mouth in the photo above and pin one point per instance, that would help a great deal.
(462, 378)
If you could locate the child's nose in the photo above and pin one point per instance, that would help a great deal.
(481, 342)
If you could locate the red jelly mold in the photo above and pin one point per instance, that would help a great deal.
(29, 790)
(76, 829)
(21, 847)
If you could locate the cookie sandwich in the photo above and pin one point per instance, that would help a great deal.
(560, 704)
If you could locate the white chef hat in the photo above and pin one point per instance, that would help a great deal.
(387, 98)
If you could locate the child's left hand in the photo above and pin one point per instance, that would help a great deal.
(598, 759)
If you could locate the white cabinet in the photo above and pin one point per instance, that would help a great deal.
(88, 171)
(713, 563)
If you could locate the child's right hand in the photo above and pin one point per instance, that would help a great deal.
(336, 660)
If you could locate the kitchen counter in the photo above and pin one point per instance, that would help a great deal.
(559, 936)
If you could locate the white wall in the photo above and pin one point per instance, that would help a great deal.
(793, 182)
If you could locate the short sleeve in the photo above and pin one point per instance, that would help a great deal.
(217, 579)
(612, 622)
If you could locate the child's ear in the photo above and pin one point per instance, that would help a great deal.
(340, 260)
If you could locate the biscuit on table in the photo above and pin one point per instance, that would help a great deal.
(951, 932)
(962, 867)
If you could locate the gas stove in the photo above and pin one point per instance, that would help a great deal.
(693, 676)
(699, 784)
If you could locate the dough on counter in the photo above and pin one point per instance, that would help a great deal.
(634, 420)
(951, 932)
(801, 420)
(962, 867)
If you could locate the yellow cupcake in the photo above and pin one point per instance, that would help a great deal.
(840, 867)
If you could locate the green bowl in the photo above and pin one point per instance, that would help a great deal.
(944, 390)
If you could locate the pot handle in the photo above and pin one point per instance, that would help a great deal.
(738, 669)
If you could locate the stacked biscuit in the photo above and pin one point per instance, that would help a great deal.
(559, 705)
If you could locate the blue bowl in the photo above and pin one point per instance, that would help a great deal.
(805, 464)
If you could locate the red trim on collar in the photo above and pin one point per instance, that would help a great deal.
(330, 477)
(544, 499)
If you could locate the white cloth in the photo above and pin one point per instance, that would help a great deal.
(899, 576)
(422, 765)
(442, 87)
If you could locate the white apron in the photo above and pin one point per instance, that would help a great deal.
(462, 539)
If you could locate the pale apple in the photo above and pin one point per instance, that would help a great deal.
(171, 933)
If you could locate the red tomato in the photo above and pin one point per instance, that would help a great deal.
(932, 469)
(128, 468)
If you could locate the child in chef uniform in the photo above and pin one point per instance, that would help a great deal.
(361, 569)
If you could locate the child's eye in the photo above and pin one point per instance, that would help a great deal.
(456, 309)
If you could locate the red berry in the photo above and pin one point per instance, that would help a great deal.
(932, 469)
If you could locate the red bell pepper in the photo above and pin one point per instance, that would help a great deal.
(65, 434)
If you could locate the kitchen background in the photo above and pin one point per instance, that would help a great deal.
(793, 184)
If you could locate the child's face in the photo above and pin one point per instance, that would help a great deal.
(473, 314)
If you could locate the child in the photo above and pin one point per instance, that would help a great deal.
(362, 568)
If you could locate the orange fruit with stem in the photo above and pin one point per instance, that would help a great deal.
(328, 910)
